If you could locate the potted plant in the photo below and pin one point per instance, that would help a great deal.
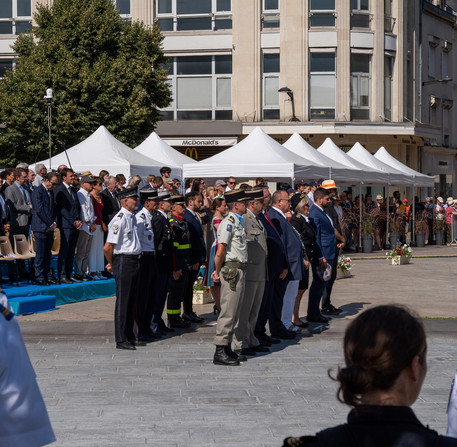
(344, 267)
(202, 294)
(440, 226)
(395, 223)
(420, 228)
(400, 255)
(367, 232)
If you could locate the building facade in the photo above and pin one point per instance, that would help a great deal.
(377, 72)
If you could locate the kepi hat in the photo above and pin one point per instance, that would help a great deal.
(148, 193)
(235, 195)
(128, 192)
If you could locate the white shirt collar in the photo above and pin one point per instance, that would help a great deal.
(164, 215)
(193, 212)
(280, 212)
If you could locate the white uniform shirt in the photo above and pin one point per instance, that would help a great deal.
(145, 231)
(123, 231)
(231, 232)
(25, 421)
(310, 196)
(87, 210)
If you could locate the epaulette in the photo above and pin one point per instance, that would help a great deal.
(298, 216)
(231, 219)
(142, 216)
(120, 215)
(6, 312)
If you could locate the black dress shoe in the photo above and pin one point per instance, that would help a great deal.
(155, 335)
(138, 343)
(273, 341)
(329, 311)
(107, 274)
(192, 317)
(88, 277)
(302, 325)
(65, 281)
(42, 283)
(165, 329)
(197, 318)
(179, 323)
(285, 335)
(75, 278)
(245, 351)
(318, 319)
(52, 280)
(125, 345)
(259, 348)
(222, 358)
(146, 339)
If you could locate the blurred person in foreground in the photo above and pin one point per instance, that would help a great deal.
(385, 354)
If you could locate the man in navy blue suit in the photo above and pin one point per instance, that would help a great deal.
(194, 201)
(325, 251)
(277, 273)
(68, 222)
(43, 226)
(295, 256)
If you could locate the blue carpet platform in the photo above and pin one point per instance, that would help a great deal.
(27, 298)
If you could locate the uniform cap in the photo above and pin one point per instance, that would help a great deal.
(127, 192)
(178, 200)
(148, 193)
(235, 195)
(254, 194)
(300, 182)
(296, 199)
(164, 196)
(329, 184)
(87, 179)
(313, 183)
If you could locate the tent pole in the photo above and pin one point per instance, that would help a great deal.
(330, 172)
(387, 215)
(413, 220)
(360, 215)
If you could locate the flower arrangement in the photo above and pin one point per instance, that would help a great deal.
(344, 264)
(400, 250)
(199, 286)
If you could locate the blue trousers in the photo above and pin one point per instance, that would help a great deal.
(43, 242)
(68, 240)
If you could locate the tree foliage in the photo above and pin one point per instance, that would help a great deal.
(103, 71)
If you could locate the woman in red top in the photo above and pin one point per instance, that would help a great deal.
(96, 257)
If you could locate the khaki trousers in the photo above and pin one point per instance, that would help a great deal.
(250, 306)
(230, 309)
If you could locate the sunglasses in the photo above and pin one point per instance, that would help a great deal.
(231, 183)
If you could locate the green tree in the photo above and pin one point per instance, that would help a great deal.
(103, 71)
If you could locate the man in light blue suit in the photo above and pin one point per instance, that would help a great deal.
(325, 252)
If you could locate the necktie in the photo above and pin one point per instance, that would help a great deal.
(3, 206)
(268, 218)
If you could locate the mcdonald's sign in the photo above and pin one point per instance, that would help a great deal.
(191, 152)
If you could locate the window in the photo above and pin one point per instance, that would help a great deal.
(270, 81)
(322, 85)
(446, 71)
(15, 16)
(5, 65)
(432, 61)
(322, 13)
(124, 7)
(389, 21)
(360, 14)
(360, 86)
(388, 84)
(202, 88)
(188, 15)
(270, 16)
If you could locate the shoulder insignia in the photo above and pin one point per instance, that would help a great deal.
(115, 229)
(142, 216)
(298, 216)
(231, 219)
(120, 215)
(229, 227)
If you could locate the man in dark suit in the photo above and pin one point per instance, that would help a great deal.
(163, 240)
(43, 226)
(325, 252)
(194, 202)
(295, 256)
(277, 273)
(68, 222)
(20, 207)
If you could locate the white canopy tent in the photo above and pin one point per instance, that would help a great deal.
(360, 154)
(154, 147)
(419, 178)
(336, 171)
(258, 155)
(369, 175)
(102, 151)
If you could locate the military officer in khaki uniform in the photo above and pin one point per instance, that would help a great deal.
(245, 342)
(230, 267)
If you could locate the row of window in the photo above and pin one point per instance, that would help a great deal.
(202, 87)
(184, 15)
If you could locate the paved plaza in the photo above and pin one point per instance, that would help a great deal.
(170, 394)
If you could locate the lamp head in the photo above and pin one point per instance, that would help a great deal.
(49, 94)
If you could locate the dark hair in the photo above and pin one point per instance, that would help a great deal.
(49, 176)
(378, 345)
(217, 202)
(191, 196)
(102, 173)
(120, 178)
(6, 173)
(196, 185)
(320, 193)
(19, 171)
(164, 169)
(188, 182)
(64, 172)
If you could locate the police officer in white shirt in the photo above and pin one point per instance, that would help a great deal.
(25, 421)
(123, 253)
(148, 265)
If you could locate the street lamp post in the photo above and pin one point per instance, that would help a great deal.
(290, 94)
(48, 97)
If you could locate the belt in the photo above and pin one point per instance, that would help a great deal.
(236, 265)
(128, 255)
(148, 253)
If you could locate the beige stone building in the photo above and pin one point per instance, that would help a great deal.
(379, 72)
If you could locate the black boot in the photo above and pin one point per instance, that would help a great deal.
(222, 358)
(234, 355)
